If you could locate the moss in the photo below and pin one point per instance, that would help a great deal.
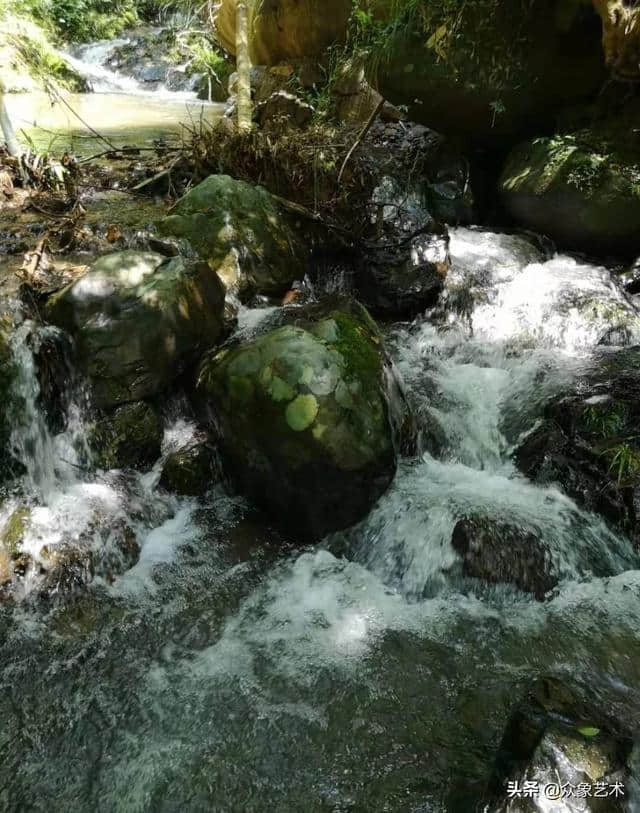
(14, 530)
(302, 412)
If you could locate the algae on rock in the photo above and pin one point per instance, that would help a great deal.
(304, 417)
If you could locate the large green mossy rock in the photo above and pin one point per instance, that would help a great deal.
(139, 319)
(242, 232)
(306, 418)
(579, 189)
(491, 70)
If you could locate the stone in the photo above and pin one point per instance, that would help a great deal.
(306, 416)
(621, 37)
(493, 70)
(189, 472)
(498, 552)
(139, 319)
(242, 233)
(282, 30)
(580, 189)
(129, 438)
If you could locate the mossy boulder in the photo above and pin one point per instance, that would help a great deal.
(189, 471)
(139, 319)
(306, 417)
(578, 189)
(129, 438)
(491, 69)
(242, 233)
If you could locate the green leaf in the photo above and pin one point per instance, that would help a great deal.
(589, 731)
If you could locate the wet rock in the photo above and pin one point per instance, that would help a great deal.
(306, 416)
(52, 356)
(404, 280)
(283, 110)
(139, 319)
(242, 232)
(129, 438)
(580, 189)
(189, 471)
(498, 552)
(588, 444)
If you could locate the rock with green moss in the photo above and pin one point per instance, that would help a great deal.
(139, 319)
(242, 233)
(579, 189)
(129, 438)
(306, 416)
(189, 471)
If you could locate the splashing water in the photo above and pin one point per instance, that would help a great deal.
(223, 674)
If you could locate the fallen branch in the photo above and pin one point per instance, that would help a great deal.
(157, 176)
(361, 136)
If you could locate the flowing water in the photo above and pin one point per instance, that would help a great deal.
(231, 670)
(119, 107)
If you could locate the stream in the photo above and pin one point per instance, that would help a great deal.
(233, 670)
(119, 108)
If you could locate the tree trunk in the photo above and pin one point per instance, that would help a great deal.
(243, 66)
(6, 126)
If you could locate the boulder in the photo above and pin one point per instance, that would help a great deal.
(286, 29)
(579, 189)
(490, 70)
(139, 319)
(498, 552)
(621, 37)
(190, 471)
(243, 234)
(307, 417)
(129, 438)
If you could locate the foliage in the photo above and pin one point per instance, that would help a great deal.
(605, 422)
(478, 43)
(624, 463)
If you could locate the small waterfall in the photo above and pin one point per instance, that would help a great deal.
(90, 61)
(31, 442)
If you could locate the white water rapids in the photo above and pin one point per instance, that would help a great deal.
(227, 671)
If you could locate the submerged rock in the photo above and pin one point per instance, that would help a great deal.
(305, 417)
(129, 438)
(189, 471)
(579, 189)
(498, 552)
(139, 319)
(243, 234)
